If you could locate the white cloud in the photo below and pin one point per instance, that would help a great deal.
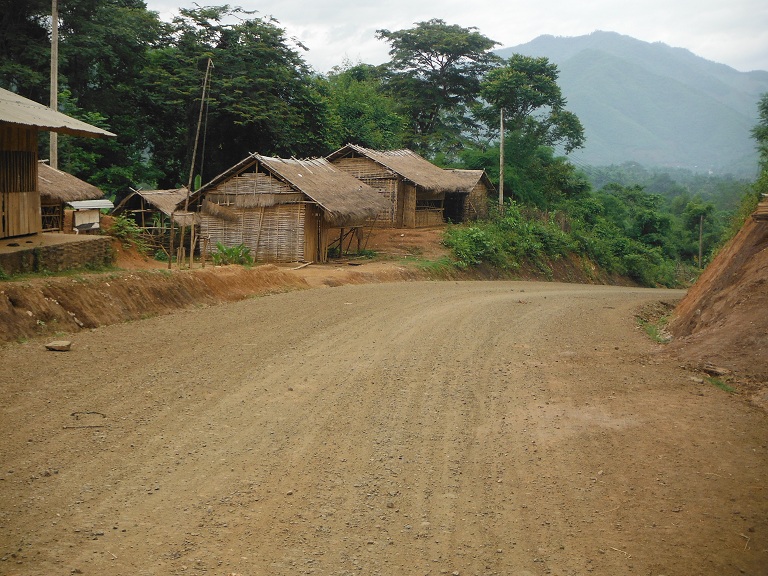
(735, 33)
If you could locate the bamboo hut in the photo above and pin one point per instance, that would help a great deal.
(420, 193)
(59, 189)
(20, 121)
(472, 202)
(283, 209)
(154, 210)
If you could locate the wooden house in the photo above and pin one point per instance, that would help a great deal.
(20, 121)
(59, 190)
(472, 202)
(421, 194)
(283, 209)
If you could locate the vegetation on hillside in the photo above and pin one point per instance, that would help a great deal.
(441, 94)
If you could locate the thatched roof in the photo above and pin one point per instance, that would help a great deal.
(345, 200)
(169, 202)
(16, 109)
(57, 186)
(472, 178)
(408, 165)
(165, 201)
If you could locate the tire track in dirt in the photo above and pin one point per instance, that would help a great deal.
(420, 428)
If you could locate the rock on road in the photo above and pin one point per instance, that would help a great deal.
(470, 428)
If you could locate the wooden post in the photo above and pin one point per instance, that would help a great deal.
(170, 248)
(501, 161)
(191, 245)
(701, 235)
(341, 242)
(54, 142)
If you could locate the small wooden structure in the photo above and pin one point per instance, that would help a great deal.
(283, 209)
(59, 189)
(154, 210)
(421, 193)
(472, 202)
(20, 121)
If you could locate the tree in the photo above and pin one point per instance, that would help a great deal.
(362, 113)
(435, 72)
(263, 97)
(526, 90)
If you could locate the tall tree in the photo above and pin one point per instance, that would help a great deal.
(526, 90)
(435, 72)
(362, 113)
(263, 97)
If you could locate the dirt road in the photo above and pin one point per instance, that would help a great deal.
(469, 428)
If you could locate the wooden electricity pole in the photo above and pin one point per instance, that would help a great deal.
(501, 163)
(54, 141)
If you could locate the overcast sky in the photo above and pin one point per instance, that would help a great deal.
(732, 32)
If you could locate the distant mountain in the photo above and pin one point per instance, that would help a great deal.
(654, 104)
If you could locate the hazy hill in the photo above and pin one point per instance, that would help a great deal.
(654, 104)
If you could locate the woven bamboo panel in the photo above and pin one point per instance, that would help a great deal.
(274, 233)
(19, 197)
(430, 217)
(363, 169)
(253, 183)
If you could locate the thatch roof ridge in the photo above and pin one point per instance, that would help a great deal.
(473, 177)
(16, 109)
(60, 186)
(345, 200)
(407, 164)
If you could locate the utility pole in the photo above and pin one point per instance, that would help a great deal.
(54, 141)
(501, 162)
(701, 235)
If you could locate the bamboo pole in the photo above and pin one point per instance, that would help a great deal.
(54, 141)
(501, 161)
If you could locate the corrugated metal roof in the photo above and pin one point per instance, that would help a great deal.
(102, 204)
(16, 109)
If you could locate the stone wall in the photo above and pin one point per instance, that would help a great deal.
(85, 252)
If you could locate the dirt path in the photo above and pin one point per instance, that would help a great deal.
(469, 428)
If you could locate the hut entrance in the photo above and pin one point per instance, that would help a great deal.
(454, 207)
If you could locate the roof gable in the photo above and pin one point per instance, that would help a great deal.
(408, 165)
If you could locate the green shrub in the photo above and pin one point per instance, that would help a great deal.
(128, 232)
(239, 254)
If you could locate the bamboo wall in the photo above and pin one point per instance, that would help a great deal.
(19, 197)
(273, 233)
(382, 180)
(476, 203)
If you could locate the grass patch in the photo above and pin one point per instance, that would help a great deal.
(720, 384)
(441, 267)
(656, 330)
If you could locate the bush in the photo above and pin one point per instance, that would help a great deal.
(239, 254)
(128, 232)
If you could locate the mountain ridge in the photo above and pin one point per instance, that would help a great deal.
(654, 104)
